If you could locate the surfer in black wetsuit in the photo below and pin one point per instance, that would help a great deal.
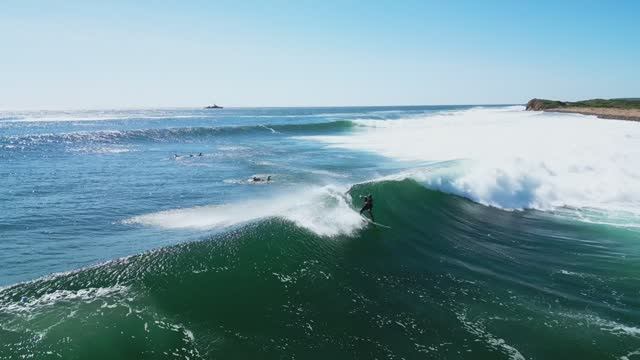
(368, 205)
(257, 179)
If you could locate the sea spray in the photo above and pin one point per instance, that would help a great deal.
(324, 210)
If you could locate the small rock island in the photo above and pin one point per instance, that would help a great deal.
(621, 109)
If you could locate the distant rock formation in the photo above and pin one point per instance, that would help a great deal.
(619, 109)
(542, 104)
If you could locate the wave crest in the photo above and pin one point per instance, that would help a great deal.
(325, 211)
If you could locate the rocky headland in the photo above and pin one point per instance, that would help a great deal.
(621, 109)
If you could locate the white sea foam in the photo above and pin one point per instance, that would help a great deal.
(513, 159)
(322, 210)
(632, 354)
(101, 149)
(478, 329)
(610, 326)
(49, 299)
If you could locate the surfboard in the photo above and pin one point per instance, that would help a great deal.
(375, 223)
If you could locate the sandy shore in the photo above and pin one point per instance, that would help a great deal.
(603, 113)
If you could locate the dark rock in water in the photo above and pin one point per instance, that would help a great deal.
(214, 106)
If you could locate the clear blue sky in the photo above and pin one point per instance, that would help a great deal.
(105, 54)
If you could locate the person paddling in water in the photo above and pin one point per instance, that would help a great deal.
(368, 205)
(257, 179)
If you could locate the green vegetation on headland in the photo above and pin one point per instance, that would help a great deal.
(619, 109)
(543, 104)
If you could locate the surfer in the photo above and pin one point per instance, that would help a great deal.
(260, 179)
(368, 205)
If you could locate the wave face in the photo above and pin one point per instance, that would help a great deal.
(452, 279)
(142, 234)
(514, 159)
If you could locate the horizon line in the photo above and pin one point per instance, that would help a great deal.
(250, 107)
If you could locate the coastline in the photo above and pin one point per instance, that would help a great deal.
(602, 113)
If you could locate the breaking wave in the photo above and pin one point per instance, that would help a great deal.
(325, 211)
(277, 287)
(512, 159)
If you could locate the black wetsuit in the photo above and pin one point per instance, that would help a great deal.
(368, 206)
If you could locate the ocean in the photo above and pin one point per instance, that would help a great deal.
(140, 234)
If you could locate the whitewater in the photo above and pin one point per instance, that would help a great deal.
(514, 159)
(140, 233)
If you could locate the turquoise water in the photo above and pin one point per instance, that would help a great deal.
(114, 247)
